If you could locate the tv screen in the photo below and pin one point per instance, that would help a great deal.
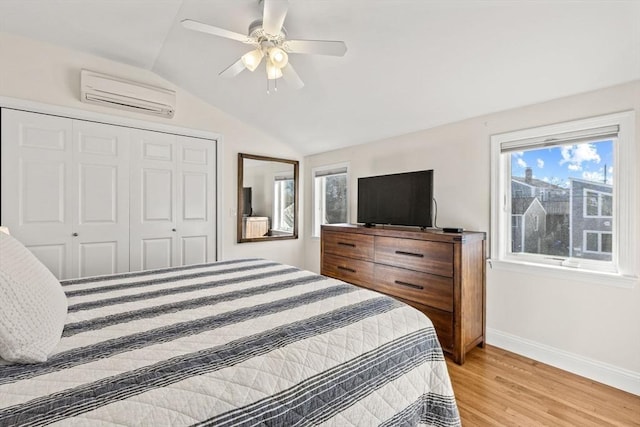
(398, 199)
(246, 202)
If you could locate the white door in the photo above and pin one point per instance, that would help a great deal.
(100, 243)
(195, 225)
(65, 192)
(153, 200)
(36, 182)
(89, 199)
(172, 200)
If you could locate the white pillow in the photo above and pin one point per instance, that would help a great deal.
(33, 307)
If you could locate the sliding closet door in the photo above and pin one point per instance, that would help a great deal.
(172, 200)
(36, 178)
(100, 243)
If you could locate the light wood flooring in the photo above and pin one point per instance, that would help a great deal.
(499, 388)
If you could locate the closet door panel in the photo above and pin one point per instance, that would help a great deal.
(54, 256)
(153, 202)
(194, 249)
(101, 202)
(157, 253)
(194, 197)
(36, 171)
(42, 192)
(98, 258)
(196, 201)
(157, 193)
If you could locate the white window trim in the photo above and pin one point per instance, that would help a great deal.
(625, 249)
(314, 208)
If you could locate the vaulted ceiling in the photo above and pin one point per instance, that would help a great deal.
(410, 64)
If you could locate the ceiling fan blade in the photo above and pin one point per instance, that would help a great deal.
(273, 16)
(220, 32)
(318, 47)
(291, 77)
(233, 69)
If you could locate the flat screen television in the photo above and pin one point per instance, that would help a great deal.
(247, 210)
(397, 199)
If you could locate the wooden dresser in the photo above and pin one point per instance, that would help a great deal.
(441, 274)
(255, 226)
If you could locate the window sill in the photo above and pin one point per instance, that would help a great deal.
(564, 273)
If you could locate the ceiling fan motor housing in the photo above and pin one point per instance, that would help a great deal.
(257, 32)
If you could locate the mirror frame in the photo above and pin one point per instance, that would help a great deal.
(296, 185)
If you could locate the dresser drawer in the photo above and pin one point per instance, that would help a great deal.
(350, 270)
(434, 291)
(359, 246)
(418, 255)
(442, 322)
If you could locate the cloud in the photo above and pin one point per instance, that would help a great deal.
(599, 176)
(540, 163)
(522, 163)
(596, 176)
(577, 154)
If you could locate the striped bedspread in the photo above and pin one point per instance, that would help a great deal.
(241, 342)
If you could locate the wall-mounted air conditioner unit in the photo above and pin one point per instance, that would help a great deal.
(101, 89)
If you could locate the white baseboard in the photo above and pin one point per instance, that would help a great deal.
(605, 373)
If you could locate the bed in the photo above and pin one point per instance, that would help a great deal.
(237, 342)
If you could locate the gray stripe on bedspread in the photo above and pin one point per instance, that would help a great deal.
(160, 280)
(151, 272)
(109, 348)
(322, 396)
(71, 329)
(430, 409)
(177, 290)
(81, 399)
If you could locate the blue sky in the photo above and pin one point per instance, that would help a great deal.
(557, 164)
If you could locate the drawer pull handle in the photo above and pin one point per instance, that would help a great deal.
(410, 254)
(410, 285)
(350, 270)
(351, 245)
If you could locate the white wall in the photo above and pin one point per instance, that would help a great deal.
(592, 329)
(47, 74)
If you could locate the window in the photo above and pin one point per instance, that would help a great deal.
(597, 242)
(598, 204)
(330, 196)
(283, 202)
(584, 203)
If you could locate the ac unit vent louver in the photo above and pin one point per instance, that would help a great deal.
(101, 89)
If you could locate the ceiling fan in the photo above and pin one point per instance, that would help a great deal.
(269, 39)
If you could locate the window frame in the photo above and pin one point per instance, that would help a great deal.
(623, 269)
(315, 226)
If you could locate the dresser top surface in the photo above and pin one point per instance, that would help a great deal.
(407, 232)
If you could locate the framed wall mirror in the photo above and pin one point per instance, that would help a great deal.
(267, 198)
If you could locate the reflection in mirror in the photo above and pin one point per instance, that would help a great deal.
(267, 198)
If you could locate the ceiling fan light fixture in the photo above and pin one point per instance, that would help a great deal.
(278, 57)
(252, 59)
(273, 72)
